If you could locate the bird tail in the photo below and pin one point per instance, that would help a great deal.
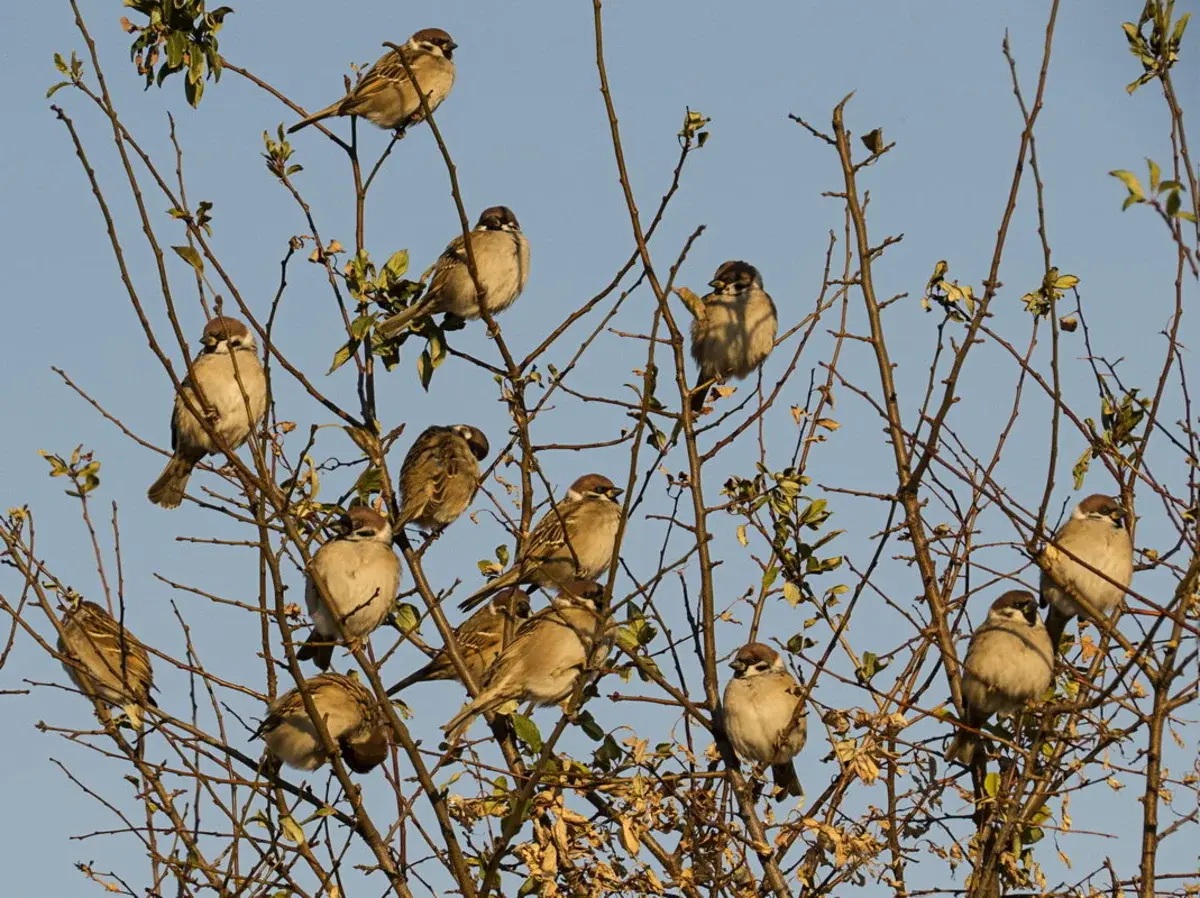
(315, 117)
(317, 649)
(396, 325)
(461, 722)
(962, 749)
(787, 780)
(417, 676)
(134, 712)
(1056, 622)
(700, 393)
(171, 484)
(511, 577)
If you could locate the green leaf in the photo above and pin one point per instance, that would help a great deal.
(1081, 468)
(369, 482)
(527, 732)
(425, 368)
(189, 255)
(1180, 27)
(343, 355)
(56, 88)
(991, 784)
(61, 64)
(589, 726)
(1174, 202)
(792, 594)
(360, 326)
(397, 265)
(1155, 174)
(768, 579)
(405, 618)
(869, 666)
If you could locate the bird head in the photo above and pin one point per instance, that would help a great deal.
(434, 40)
(497, 218)
(594, 486)
(754, 659)
(476, 441)
(361, 524)
(225, 335)
(1099, 507)
(734, 276)
(1015, 605)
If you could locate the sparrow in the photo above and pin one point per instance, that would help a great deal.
(229, 347)
(575, 538)
(1009, 662)
(386, 96)
(105, 661)
(1096, 535)
(440, 475)
(546, 657)
(479, 639)
(763, 717)
(735, 327)
(361, 575)
(501, 261)
(351, 716)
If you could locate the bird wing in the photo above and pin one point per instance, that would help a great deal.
(121, 649)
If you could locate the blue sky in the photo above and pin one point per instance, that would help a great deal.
(526, 127)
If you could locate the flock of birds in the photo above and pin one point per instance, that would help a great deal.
(510, 651)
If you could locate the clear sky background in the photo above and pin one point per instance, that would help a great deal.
(527, 129)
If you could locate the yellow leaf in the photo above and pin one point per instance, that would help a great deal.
(1129, 179)
(291, 829)
(741, 535)
(629, 837)
(828, 423)
(1066, 282)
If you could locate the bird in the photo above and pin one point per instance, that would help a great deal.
(546, 657)
(734, 329)
(479, 639)
(351, 715)
(440, 475)
(105, 661)
(230, 375)
(575, 538)
(1009, 662)
(1097, 536)
(360, 573)
(501, 261)
(763, 716)
(386, 95)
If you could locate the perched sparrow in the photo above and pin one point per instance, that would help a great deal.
(763, 717)
(228, 348)
(478, 638)
(440, 475)
(1008, 663)
(351, 715)
(501, 261)
(575, 538)
(1096, 535)
(105, 660)
(735, 328)
(361, 574)
(548, 654)
(386, 96)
